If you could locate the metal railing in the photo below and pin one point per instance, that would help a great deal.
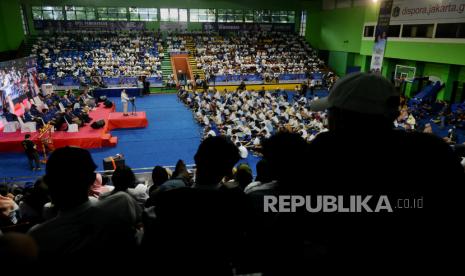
(22, 180)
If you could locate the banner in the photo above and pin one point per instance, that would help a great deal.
(225, 27)
(84, 25)
(432, 11)
(18, 81)
(381, 35)
(173, 26)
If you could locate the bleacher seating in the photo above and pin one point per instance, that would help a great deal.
(255, 56)
(73, 59)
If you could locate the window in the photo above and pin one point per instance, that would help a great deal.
(393, 31)
(262, 16)
(283, 17)
(369, 31)
(112, 14)
(418, 30)
(164, 15)
(143, 14)
(248, 16)
(303, 23)
(173, 15)
(450, 30)
(202, 15)
(37, 13)
(47, 13)
(182, 15)
(53, 13)
(24, 21)
(80, 13)
(230, 15)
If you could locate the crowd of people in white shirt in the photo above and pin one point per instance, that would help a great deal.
(250, 116)
(177, 42)
(268, 54)
(109, 54)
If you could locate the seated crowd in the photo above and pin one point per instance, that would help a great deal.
(58, 111)
(267, 55)
(83, 56)
(422, 116)
(214, 222)
(177, 42)
(251, 116)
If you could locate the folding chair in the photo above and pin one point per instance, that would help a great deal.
(62, 108)
(27, 127)
(11, 127)
(72, 127)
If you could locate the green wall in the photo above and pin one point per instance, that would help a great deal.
(451, 53)
(340, 32)
(11, 29)
(312, 34)
(340, 29)
(338, 61)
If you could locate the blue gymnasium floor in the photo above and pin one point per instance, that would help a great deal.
(172, 134)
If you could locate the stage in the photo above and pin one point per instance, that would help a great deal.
(87, 137)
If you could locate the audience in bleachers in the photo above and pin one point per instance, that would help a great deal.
(8, 207)
(90, 56)
(256, 56)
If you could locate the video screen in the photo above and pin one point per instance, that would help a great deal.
(18, 81)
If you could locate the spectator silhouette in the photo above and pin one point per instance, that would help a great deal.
(362, 154)
(243, 176)
(33, 201)
(123, 178)
(159, 176)
(277, 244)
(204, 222)
(17, 250)
(82, 229)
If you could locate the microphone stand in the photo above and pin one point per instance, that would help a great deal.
(134, 110)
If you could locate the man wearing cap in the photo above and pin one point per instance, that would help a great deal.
(362, 155)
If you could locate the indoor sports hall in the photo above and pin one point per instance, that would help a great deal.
(247, 135)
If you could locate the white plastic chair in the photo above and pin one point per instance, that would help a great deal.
(27, 127)
(72, 127)
(11, 127)
(62, 108)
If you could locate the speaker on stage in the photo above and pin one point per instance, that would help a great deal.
(112, 162)
(98, 124)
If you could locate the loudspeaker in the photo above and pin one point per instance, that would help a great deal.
(111, 163)
(108, 104)
(102, 99)
(98, 124)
